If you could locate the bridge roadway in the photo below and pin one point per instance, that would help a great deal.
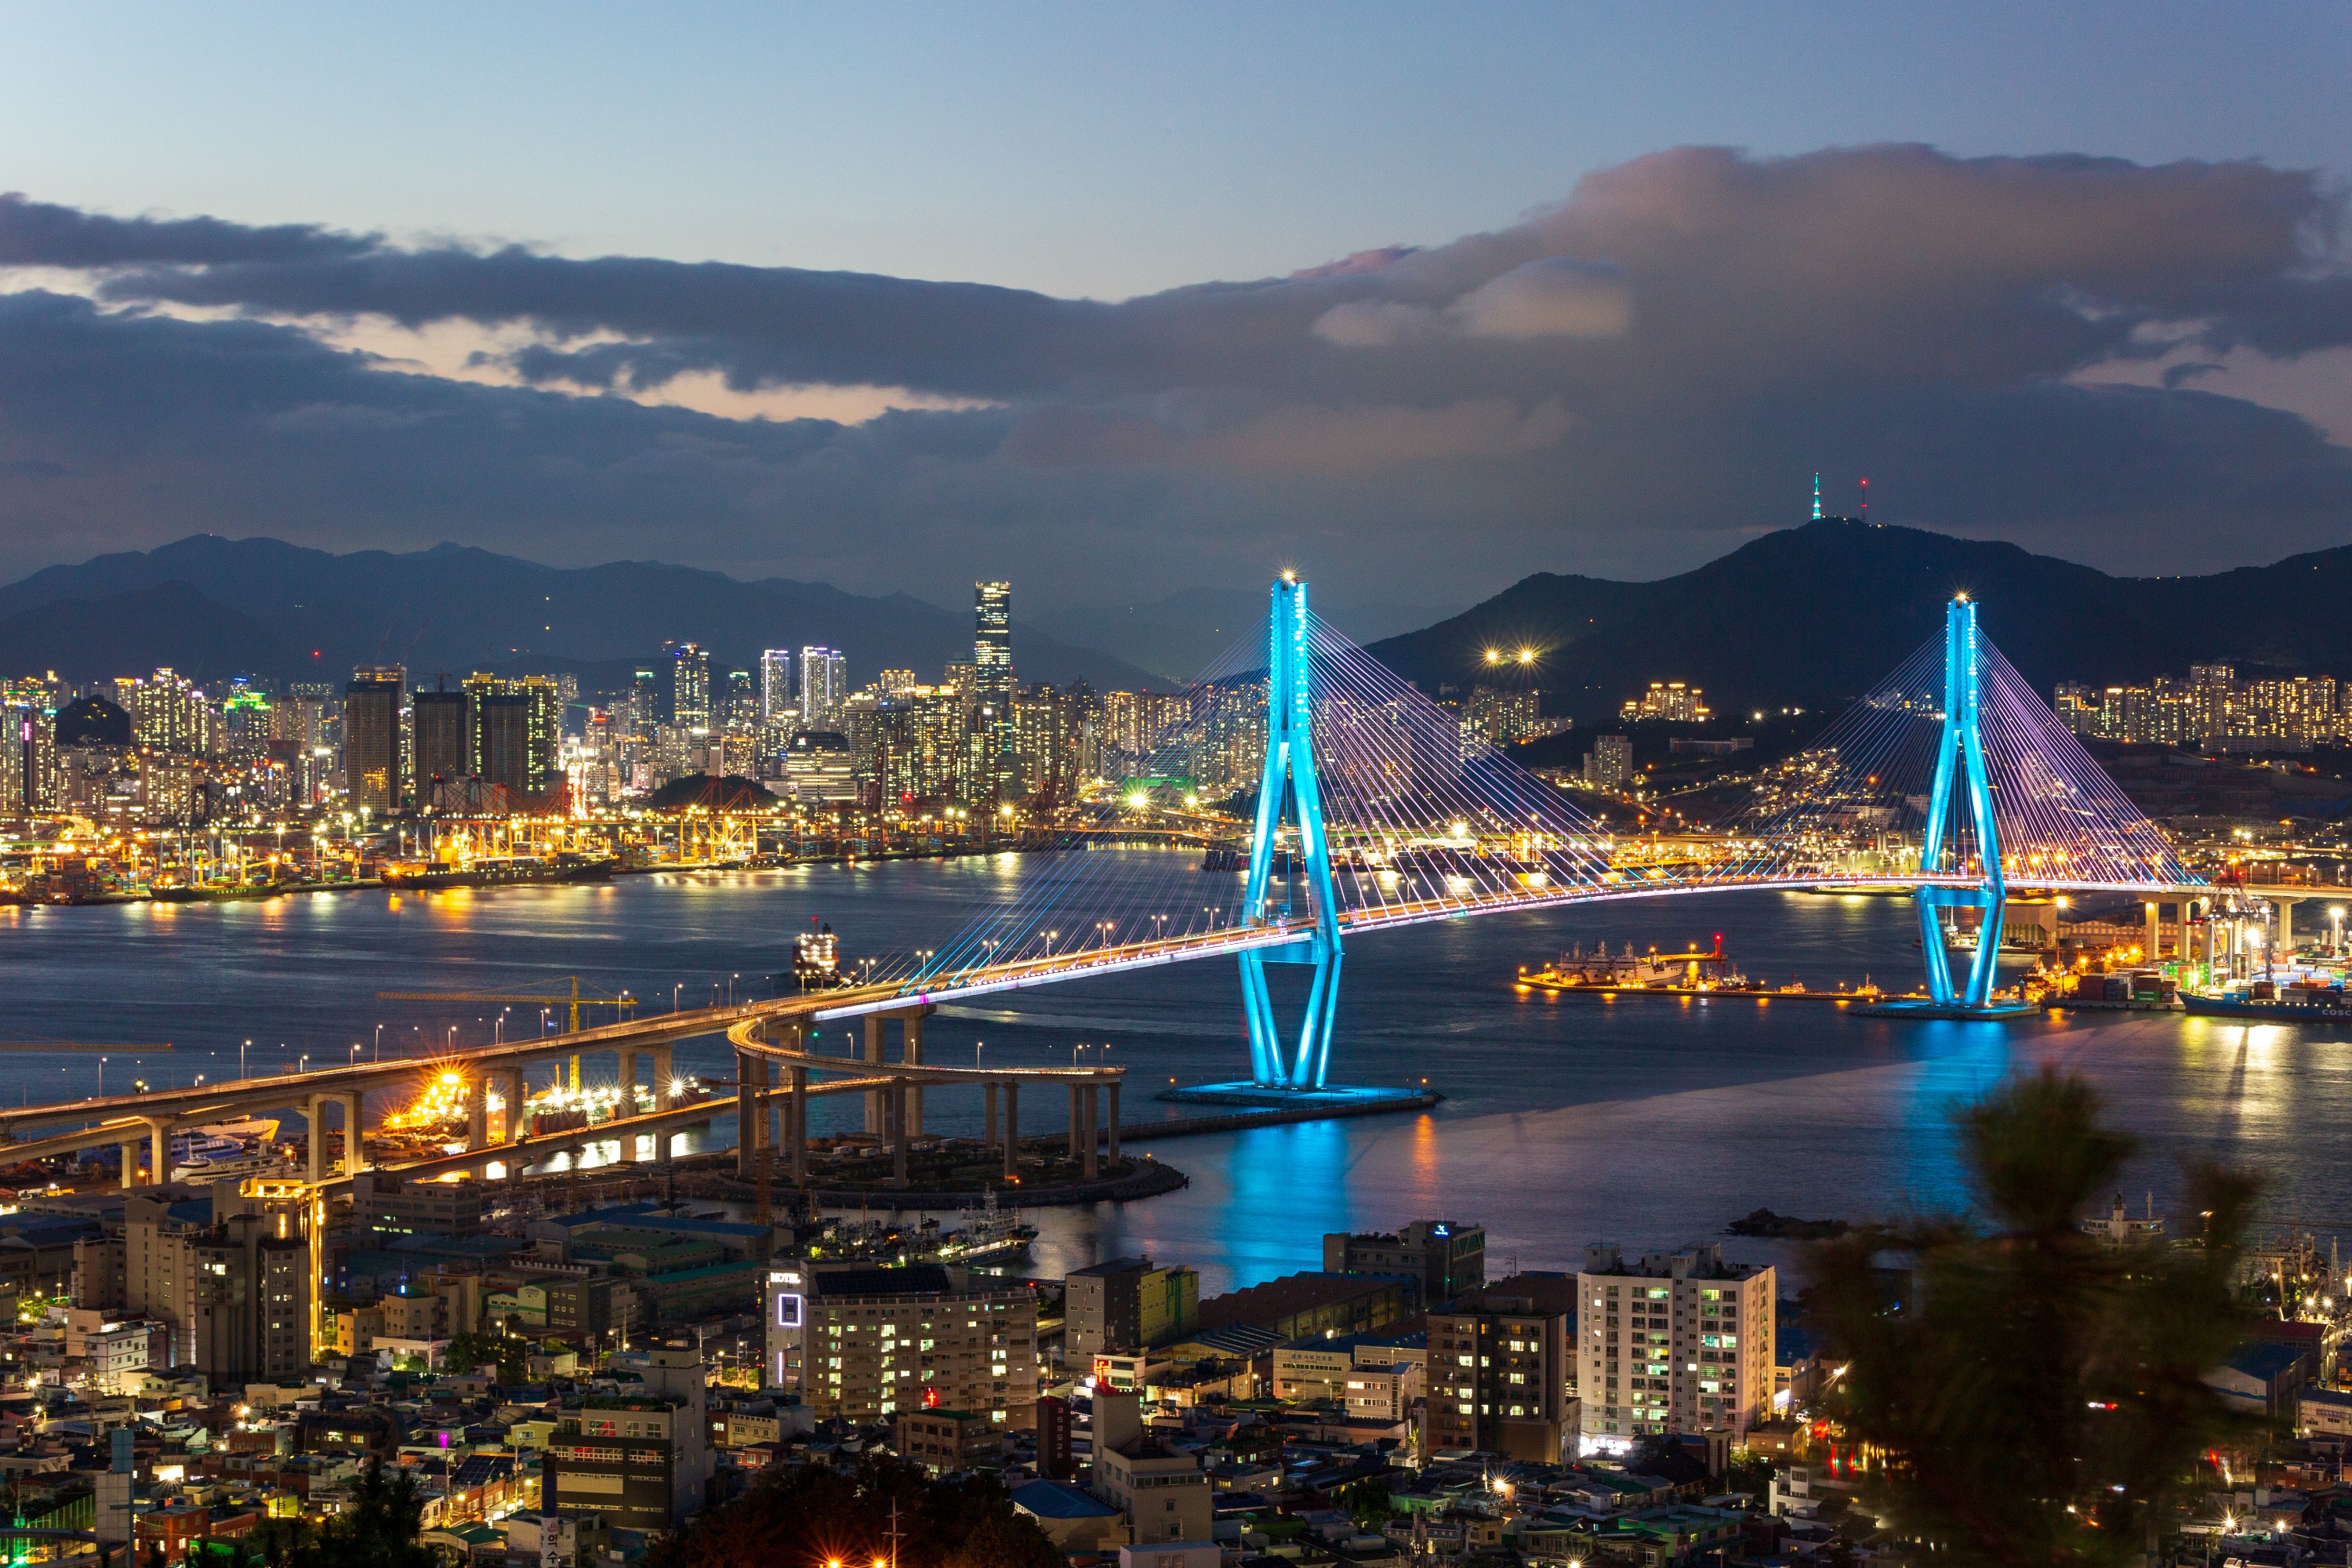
(778, 1031)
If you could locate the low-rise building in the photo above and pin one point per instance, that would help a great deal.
(1075, 1520)
(1447, 1257)
(942, 1441)
(1161, 1491)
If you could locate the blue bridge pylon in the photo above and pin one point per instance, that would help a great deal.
(1287, 790)
(1960, 759)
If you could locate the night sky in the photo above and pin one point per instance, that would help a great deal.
(1117, 302)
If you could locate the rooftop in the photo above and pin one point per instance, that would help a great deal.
(1060, 1499)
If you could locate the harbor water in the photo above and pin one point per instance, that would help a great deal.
(1648, 1122)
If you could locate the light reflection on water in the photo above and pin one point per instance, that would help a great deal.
(1647, 1123)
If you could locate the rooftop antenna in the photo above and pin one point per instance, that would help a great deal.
(1817, 498)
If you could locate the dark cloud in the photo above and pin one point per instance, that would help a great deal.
(1644, 371)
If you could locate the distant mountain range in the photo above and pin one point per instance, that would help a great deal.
(1810, 616)
(1814, 616)
(214, 606)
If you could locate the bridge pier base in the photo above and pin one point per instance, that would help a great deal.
(875, 1111)
(910, 1052)
(314, 1111)
(1089, 1164)
(1078, 1119)
(355, 1133)
(898, 1135)
(750, 1113)
(1112, 1089)
(796, 1126)
(1012, 1130)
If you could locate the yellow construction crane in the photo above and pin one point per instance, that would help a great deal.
(574, 1002)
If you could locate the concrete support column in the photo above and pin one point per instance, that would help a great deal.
(355, 1133)
(158, 1140)
(988, 1093)
(1011, 1129)
(664, 1075)
(628, 1064)
(130, 1152)
(2285, 925)
(875, 1111)
(2151, 947)
(1113, 1120)
(1088, 1135)
(796, 1124)
(517, 1090)
(1077, 1117)
(477, 1115)
(899, 1136)
(750, 1113)
(911, 1053)
(314, 1111)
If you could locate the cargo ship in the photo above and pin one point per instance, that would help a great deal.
(2315, 999)
(497, 871)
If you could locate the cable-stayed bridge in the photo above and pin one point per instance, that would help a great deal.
(1370, 807)
(1323, 797)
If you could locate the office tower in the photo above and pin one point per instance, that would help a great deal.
(825, 685)
(897, 683)
(372, 701)
(992, 658)
(818, 765)
(776, 688)
(688, 671)
(991, 648)
(1680, 1341)
(863, 1343)
(441, 738)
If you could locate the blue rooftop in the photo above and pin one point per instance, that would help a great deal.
(1060, 1499)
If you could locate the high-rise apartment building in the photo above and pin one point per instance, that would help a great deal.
(236, 1291)
(518, 733)
(1497, 1378)
(824, 686)
(817, 764)
(1676, 1342)
(2212, 685)
(374, 700)
(688, 671)
(776, 709)
(865, 1343)
(441, 738)
(1609, 763)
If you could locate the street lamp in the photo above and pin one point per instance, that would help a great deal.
(673, 994)
(977, 1046)
(241, 1050)
(379, 1041)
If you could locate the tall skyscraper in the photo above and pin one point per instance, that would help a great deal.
(776, 687)
(373, 700)
(690, 685)
(992, 658)
(824, 683)
(441, 734)
(517, 737)
(992, 644)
